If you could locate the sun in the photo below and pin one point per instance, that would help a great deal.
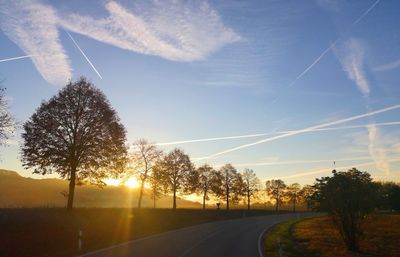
(132, 183)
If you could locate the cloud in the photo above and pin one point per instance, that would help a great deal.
(174, 30)
(33, 27)
(388, 66)
(301, 131)
(378, 154)
(351, 54)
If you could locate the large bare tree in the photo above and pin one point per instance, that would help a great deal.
(76, 134)
(208, 182)
(251, 184)
(143, 159)
(229, 181)
(293, 194)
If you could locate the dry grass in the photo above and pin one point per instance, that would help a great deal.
(381, 237)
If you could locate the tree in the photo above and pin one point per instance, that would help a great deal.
(305, 194)
(275, 188)
(251, 184)
(229, 179)
(348, 197)
(293, 194)
(7, 124)
(156, 183)
(144, 158)
(208, 182)
(177, 172)
(76, 134)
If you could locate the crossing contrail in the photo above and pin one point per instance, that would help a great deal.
(302, 174)
(16, 58)
(393, 123)
(84, 55)
(328, 49)
(301, 131)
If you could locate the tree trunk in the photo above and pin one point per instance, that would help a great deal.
(276, 204)
(140, 194)
(154, 202)
(227, 198)
(204, 200)
(71, 189)
(248, 200)
(294, 205)
(174, 202)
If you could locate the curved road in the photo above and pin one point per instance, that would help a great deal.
(231, 238)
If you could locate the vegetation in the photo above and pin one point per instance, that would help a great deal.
(7, 124)
(320, 237)
(276, 189)
(76, 134)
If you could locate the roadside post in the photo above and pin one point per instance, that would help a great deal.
(80, 240)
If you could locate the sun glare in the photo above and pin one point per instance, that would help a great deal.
(132, 183)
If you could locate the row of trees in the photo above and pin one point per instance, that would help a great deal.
(79, 135)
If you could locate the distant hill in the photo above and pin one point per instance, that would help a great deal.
(17, 191)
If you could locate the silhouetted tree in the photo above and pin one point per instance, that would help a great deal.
(229, 181)
(7, 124)
(76, 134)
(348, 197)
(208, 182)
(275, 188)
(177, 173)
(156, 183)
(305, 194)
(143, 160)
(293, 194)
(251, 184)
(389, 196)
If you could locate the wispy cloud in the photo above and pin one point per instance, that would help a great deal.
(174, 30)
(84, 55)
(301, 131)
(351, 54)
(33, 27)
(377, 153)
(388, 66)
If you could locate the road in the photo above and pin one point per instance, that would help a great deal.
(231, 238)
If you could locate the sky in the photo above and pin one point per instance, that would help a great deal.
(281, 87)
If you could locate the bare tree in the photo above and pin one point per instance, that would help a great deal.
(143, 159)
(7, 124)
(251, 184)
(229, 178)
(156, 183)
(76, 134)
(276, 190)
(208, 182)
(177, 173)
(293, 194)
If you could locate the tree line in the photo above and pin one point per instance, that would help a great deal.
(78, 135)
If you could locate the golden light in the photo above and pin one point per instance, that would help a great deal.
(113, 182)
(132, 183)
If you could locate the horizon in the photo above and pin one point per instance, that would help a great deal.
(285, 89)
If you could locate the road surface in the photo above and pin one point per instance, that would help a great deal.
(231, 238)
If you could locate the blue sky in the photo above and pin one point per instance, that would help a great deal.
(185, 70)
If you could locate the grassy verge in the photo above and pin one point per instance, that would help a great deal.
(318, 237)
(54, 232)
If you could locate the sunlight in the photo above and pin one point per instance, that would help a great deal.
(112, 182)
(132, 183)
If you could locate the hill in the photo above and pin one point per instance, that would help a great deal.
(17, 191)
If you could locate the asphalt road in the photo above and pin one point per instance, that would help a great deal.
(231, 238)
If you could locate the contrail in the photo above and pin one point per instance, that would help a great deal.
(84, 55)
(272, 133)
(338, 168)
(294, 162)
(301, 131)
(16, 58)
(319, 58)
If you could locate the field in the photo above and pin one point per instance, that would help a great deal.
(318, 237)
(54, 232)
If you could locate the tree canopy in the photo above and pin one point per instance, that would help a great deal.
(76, 134)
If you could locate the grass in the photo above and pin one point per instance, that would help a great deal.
(318, 237)
(54, 232)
